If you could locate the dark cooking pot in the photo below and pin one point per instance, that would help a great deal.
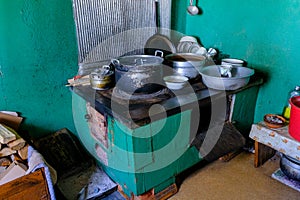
(138, 73)
(186, 64)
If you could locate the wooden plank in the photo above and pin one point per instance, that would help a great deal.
(151, 195)
(31, 186)
(23, 152)
(17, 144)
(262, 154)
(10, 120)
(167, 193)
(230, 155)
(5, 161)
(6, 152)
(6, 135)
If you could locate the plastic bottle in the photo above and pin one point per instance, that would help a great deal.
(287, 108)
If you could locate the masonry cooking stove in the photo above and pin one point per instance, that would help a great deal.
(143, 141)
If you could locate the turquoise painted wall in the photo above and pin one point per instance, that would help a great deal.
(264, 33)
(38, 53)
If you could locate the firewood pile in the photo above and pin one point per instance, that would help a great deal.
(12, 146)
(13, 149)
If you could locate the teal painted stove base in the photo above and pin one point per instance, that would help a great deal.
(139, 183)
(143, 158)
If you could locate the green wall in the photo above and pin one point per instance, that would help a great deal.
(264, 33)
(38, 53)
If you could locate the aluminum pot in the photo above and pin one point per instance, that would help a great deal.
(290, 167)
(138, 73)
(186, 64)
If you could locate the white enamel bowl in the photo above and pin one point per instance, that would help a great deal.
(175, 82)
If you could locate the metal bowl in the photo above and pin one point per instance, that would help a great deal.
(290, 167)
(211, 77)
(185, 64)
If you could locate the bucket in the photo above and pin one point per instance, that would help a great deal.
(294, 126)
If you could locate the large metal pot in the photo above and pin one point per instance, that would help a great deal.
(290, 167)
(138, 73)
(186, 64)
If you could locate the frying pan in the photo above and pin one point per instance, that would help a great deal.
(159, 43)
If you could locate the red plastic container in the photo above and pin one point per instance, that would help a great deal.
(294, 126)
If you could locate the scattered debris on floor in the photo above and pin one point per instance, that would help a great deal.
(64, 163)
(78, 175)
(88, 184)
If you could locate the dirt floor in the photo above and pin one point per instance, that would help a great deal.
(236, 179)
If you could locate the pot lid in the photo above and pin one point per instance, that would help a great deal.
(161, 43)
(183, 57)
(140, 60)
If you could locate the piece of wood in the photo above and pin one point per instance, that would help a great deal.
(151, 195)
(6, 135)
(17, 144)
(5, 161)
(10, 120)
(23, 152)
(262, 153)
(167, 192)
(16, 157)
(6, 152)
(31, 186)
(230, 155)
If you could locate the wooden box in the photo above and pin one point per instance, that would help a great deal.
(32, 186)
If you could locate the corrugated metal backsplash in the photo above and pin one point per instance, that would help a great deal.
(111, 28)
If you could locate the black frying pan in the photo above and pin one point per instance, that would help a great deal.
(158, 43)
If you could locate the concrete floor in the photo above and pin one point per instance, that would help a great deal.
(236, 179)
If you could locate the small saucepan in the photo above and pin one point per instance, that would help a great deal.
(102, 78)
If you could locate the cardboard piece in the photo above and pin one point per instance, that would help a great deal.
(15, 170)
(281, 177)
(10, 120)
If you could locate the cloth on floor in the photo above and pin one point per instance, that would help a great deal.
(36, 161)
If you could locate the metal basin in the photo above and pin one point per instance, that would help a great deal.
(185, 64)
(290, 167)
(211, 77)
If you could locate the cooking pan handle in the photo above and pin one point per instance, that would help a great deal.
(115, 62)
(157, 16)
(159, 52)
